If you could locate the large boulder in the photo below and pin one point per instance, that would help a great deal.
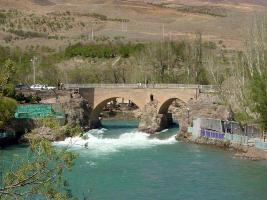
(77, 112)
(42, 133)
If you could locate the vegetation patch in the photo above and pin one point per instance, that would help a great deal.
(205, 10)
(43, 2)
(102, 50)
(28, 34)
(7, 109)
(35, 25)
(102, 17)
(52, 128)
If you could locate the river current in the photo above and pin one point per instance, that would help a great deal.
(120, 163)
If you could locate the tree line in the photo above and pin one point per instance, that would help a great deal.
(117, 62)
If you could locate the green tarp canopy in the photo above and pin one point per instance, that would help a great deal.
(35, 111)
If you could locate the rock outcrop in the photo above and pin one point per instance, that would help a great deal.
(206, 106)
(21, 126)
(77, 112)
(252, 153)
(41, 133)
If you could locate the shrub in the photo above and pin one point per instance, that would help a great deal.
(49, 122)
(70, 131)
(210, 45)
(20, 97)
(31, 99)
(7, 109)
(9, 91)
(60, 132)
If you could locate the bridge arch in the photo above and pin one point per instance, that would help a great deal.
(180, 117)
(164, 106)
(98, 108)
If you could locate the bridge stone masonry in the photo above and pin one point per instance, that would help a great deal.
(152, 100)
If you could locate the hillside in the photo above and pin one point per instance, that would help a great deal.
(56, 23)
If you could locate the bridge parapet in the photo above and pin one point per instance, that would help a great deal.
(202, 88)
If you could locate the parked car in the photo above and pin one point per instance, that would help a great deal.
(37, 87)
(50, 87)
(22, 87)
(42, 87)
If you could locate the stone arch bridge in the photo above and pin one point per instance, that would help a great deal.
(153, 100)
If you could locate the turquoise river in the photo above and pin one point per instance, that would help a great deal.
(120, 163)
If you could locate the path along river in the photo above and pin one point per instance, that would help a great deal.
(120, 163)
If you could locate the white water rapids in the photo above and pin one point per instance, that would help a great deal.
(95, 143)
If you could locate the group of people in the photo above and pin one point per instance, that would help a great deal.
(60, 85)
(145, 85)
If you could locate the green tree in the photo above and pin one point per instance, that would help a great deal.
(199, 72)
(258, 96)
(7, 71)
(254, 72)
(40, 176)
(7, 109)
(245, 85)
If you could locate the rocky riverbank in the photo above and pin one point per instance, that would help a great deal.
(77, 111)
(241, 151)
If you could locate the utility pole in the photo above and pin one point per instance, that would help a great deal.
(163, 32)
(34, 60)
(92, 32)
(123, 26)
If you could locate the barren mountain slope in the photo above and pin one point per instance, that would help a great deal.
(57, 22)
(194, 2)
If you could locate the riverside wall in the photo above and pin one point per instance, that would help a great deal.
(214, 132)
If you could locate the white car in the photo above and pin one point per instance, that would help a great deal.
(37, 87)
(42, 87)
(50, 87)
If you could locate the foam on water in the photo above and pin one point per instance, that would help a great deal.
(95, 143)
(165, 130)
